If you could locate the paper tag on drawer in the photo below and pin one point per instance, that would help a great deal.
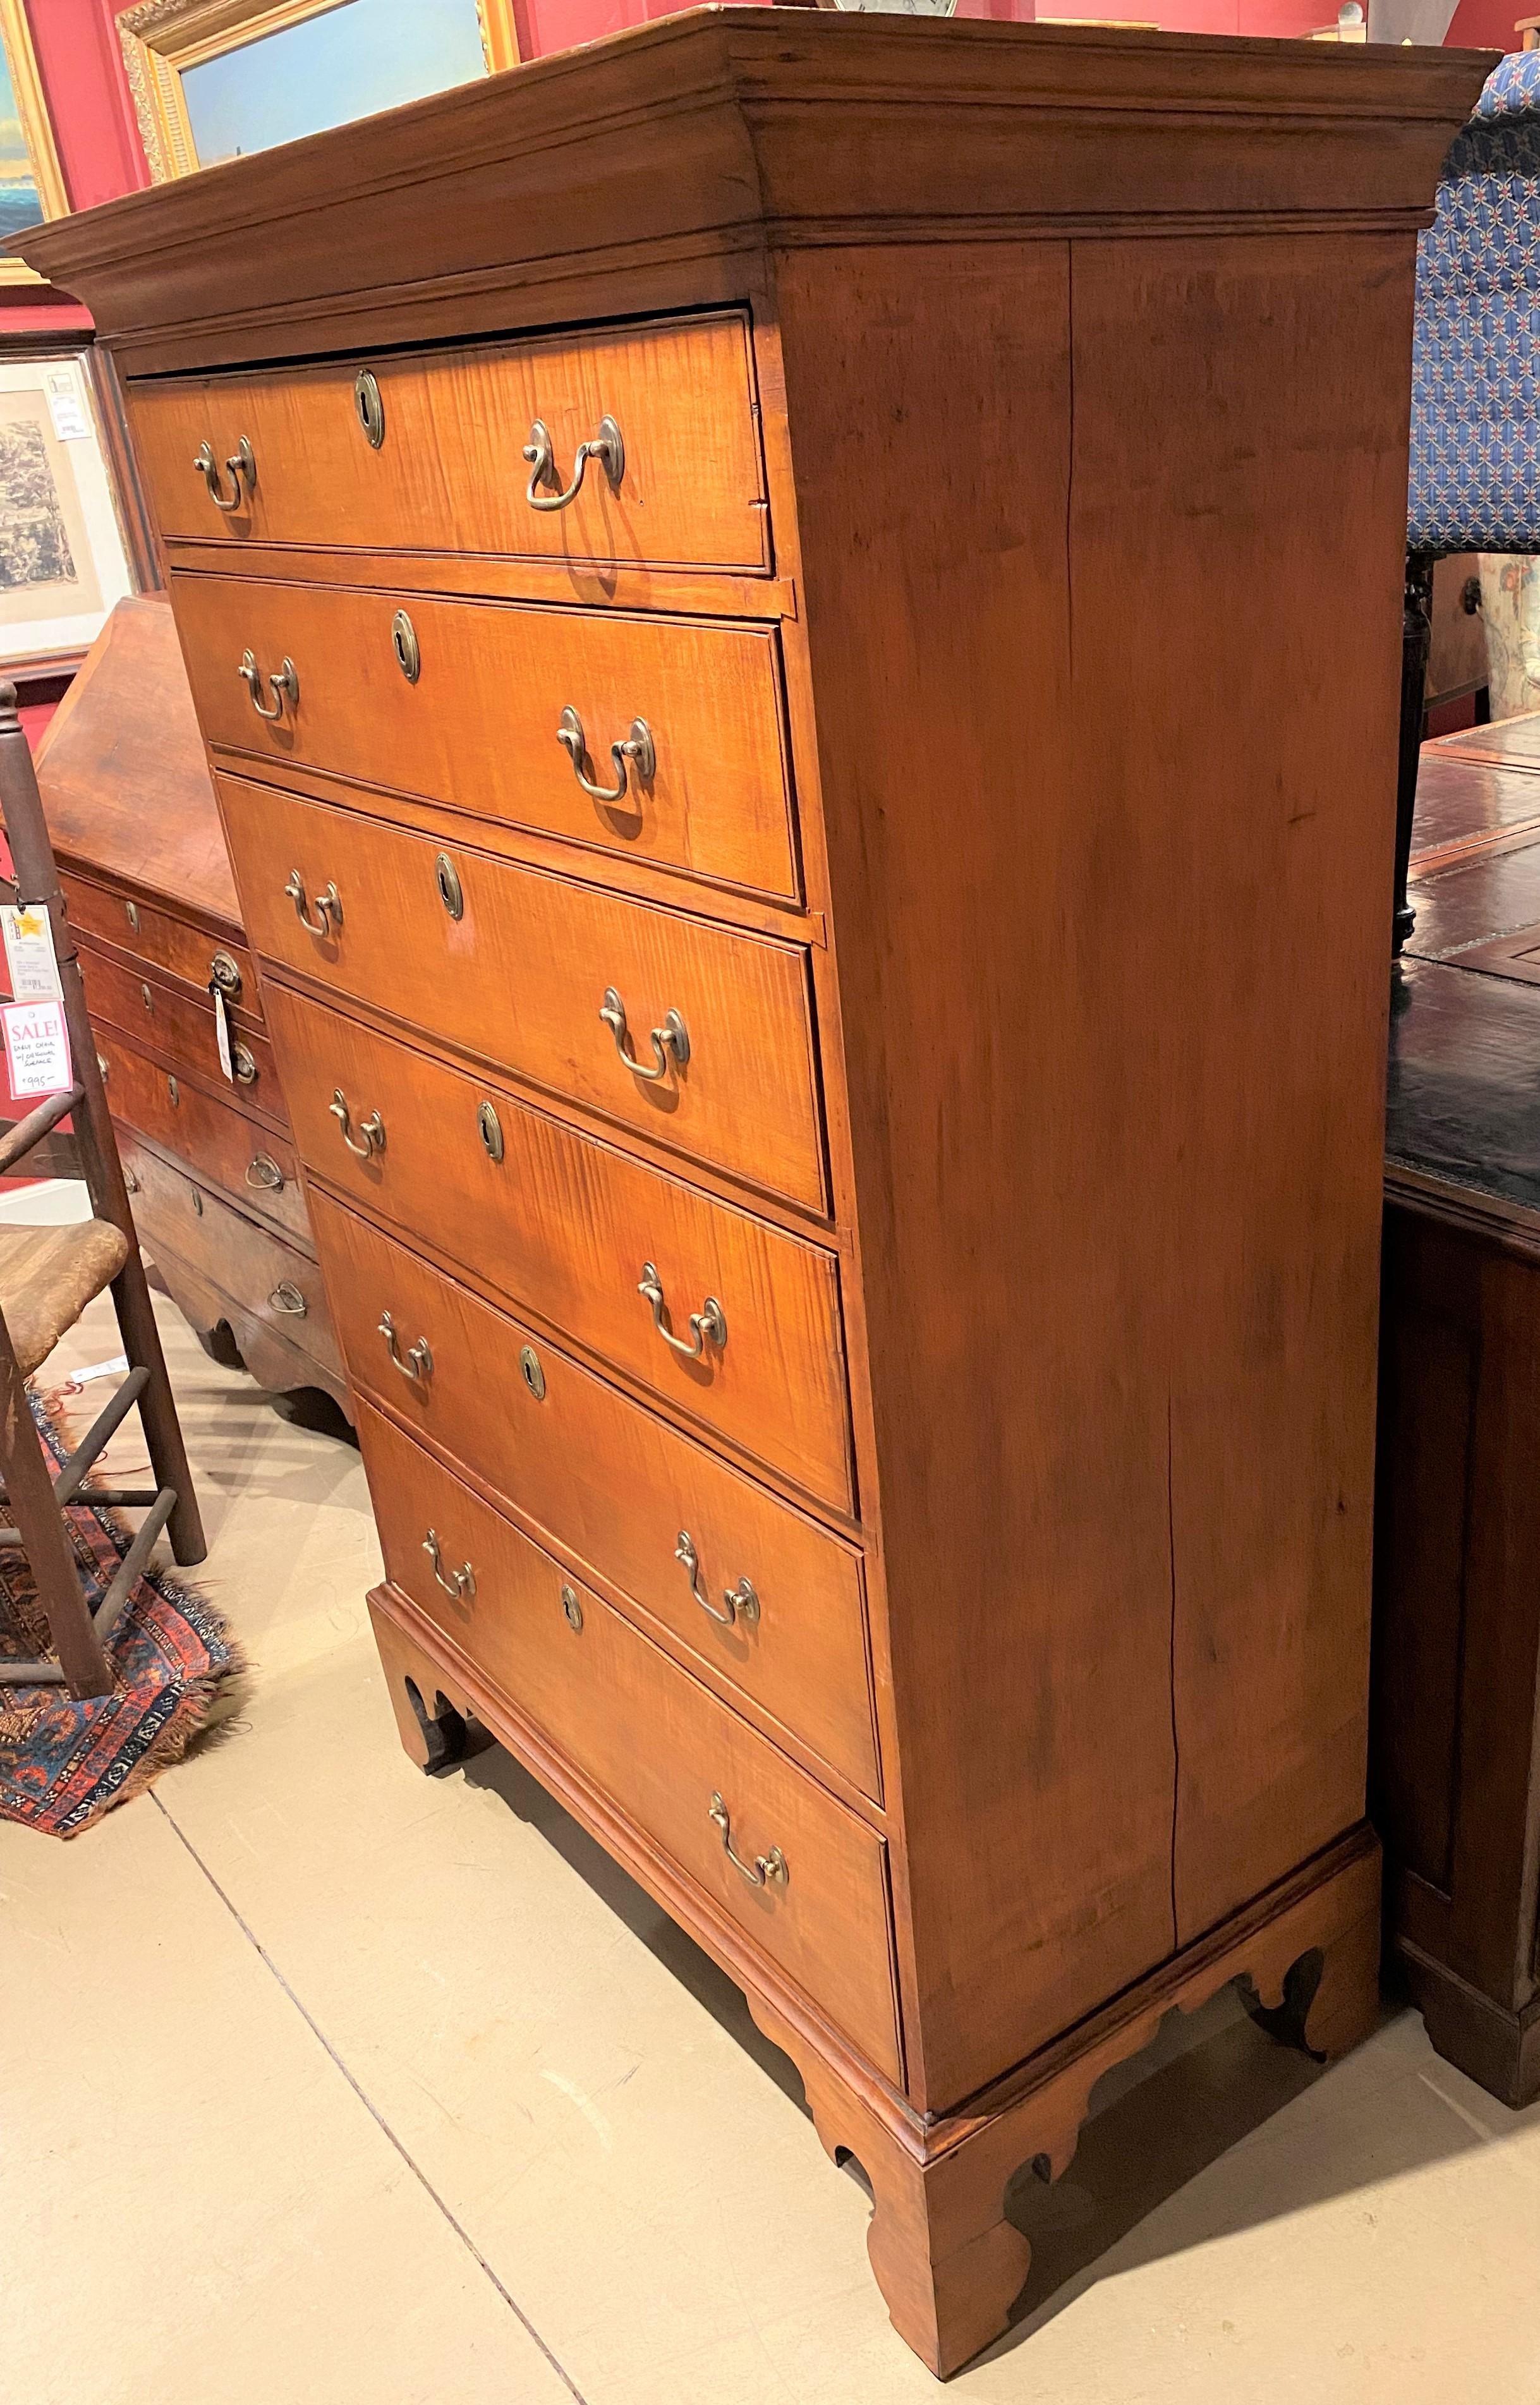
(29, 953)
(37, 1048)
(222, 1030)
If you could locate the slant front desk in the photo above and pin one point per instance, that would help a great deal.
(822, 886)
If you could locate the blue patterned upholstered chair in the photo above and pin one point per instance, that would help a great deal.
(1476, 381)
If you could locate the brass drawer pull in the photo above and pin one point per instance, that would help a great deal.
(371, 1135)
(607, 444)
(638, 751)
(328, 918)
(742, 1601)
(369, 406)
(265, 1172)
(711, 1320)
(241, 462)
(460, 1583)
(418, 1362)
(287, 1298)
(671, 1042)
(764, 1867)
(243, 1067)
(226, 976)
(285, 682)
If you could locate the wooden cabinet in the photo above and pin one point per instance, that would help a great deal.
(211, 1168)
(830, 998)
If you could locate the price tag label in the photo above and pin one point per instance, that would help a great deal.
(37, 1048)
(222, 1030)
(30, 956)
(67, 407)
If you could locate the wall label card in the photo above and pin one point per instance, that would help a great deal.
(37, 1048)
(29, 955)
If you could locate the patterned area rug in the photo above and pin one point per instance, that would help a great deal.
(64, 1764)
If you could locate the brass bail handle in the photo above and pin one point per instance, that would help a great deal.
(370, 1136)
(241, 462)
(285, 682)
(671, 1042)
(765, 1868)
(460, 1583)
(635, 753)
(711, 1320)
(417, 1364)
(608, 444)
(742, 1601)
(328, 916)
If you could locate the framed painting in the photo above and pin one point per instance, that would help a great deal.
(31, 185)
(216, 79)
(64, 558)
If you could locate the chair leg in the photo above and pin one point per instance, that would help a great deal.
(40, 1524)
(157, 1412)
(1415, 636)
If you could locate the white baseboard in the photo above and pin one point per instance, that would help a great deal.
(52, 1202)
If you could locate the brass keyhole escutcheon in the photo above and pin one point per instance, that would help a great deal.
(130, 911)
(403, 638)
(176, 1092)
(531, 1372)
(148, 998)
(489, 1127)
(370, 404)
(226, 976)
(197, 1205)
(451, 892)
(572, 1610)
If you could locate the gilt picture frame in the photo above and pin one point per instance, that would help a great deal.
(212, 79)
(31, 183)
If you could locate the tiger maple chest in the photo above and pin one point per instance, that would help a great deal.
(820, 878)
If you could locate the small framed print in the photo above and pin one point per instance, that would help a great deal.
(63, 559)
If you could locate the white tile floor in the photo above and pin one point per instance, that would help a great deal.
(325, 2083)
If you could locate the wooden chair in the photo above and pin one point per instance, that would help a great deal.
(1474, 482)
(48, 1276)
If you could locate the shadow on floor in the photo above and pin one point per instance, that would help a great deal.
(1208, 2081)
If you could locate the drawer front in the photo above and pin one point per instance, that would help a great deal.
(161, 942)
(244, 1156)
(266, 1277)
(478, 725)
(621, 1488)
(565, 1226)
(447, 474)
(524, 972)
(169, 1018)
(650, 1735)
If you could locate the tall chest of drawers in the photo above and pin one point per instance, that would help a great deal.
(821, 881)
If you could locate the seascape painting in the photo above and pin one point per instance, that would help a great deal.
(348, 62)
(21, 205)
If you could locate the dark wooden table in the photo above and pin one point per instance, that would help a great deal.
(1455, 1776)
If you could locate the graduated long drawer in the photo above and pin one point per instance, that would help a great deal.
(567, 1227)
(251, 1159)
(477, 724)
(161, 942)
(182, 1025)
(773, 1602)
(651, 1737)
(446, 473)
(520, 966)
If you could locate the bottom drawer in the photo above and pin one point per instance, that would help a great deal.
(667, 1752)
(266, 1277)
(230, 1150)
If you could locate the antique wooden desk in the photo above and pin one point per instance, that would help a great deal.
(821, 880)
(205, 1138)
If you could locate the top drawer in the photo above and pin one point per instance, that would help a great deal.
(162, 942)
(684, 486)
